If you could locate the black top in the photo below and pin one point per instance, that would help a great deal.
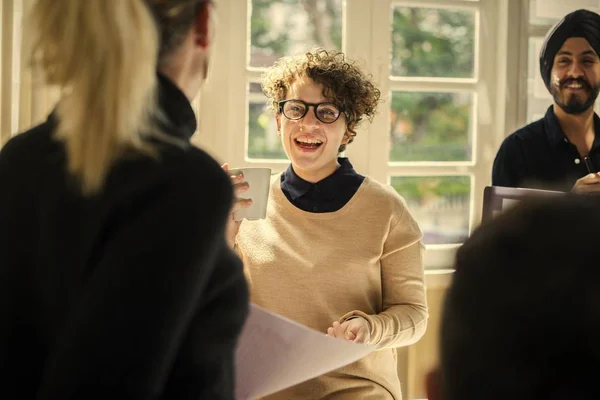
(540, 156)
(132, 293)
(327, 195)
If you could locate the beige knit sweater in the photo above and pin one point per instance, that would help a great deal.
(364, 259)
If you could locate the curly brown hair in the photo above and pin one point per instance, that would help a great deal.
(344, 83)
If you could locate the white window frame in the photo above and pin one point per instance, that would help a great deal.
(366, 38)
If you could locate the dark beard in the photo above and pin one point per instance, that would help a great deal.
(574, 106)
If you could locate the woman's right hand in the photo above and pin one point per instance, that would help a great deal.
(239, 186)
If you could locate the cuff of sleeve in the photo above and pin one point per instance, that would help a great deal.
(356, 314)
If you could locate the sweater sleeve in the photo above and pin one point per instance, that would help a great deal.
(403, 319)
(130, 322)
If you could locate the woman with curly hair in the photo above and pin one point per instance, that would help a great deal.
(337, 251)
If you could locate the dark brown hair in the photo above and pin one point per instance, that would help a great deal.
(344, 83)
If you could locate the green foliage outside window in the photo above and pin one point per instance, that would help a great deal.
(426, 42)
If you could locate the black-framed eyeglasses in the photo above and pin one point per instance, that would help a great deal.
(295, 109)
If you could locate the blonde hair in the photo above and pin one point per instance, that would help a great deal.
(103, 56)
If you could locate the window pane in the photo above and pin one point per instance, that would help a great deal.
(440, 204)
(430, 126)
(287, 27)
(538, 97)
(549, 12)
(263, 141)
(430, 42)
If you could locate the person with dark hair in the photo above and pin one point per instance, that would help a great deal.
(116, 281)
(522, 315)
(562, 150)
(338, 252)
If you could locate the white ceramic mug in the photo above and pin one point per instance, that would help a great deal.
(259, 182)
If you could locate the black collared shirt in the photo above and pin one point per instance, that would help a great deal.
(327, 195)
(540, 156)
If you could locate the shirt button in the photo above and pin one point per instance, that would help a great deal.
(577, 161)
(315, 208)
(566, 141)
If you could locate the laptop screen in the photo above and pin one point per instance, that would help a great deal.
(497, 199)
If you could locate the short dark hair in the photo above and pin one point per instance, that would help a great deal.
(522, 316)
(173, 19)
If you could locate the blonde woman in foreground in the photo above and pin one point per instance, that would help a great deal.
(116, 280)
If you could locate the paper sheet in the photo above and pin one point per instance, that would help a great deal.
(275, 353)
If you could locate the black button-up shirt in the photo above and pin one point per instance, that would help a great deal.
(327, 195)
(540, 156)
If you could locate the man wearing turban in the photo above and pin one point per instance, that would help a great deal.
(562, 150)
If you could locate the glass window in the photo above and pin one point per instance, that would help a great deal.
(428, 126)
(432, 42)
(538, 97)
(280, 28)
(441, 205)
(549, 12)
(263, 141)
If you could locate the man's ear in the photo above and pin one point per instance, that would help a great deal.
(202, 25)
(433, 385)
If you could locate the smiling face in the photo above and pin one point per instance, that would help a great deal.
(575, 77)
(311, 145)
